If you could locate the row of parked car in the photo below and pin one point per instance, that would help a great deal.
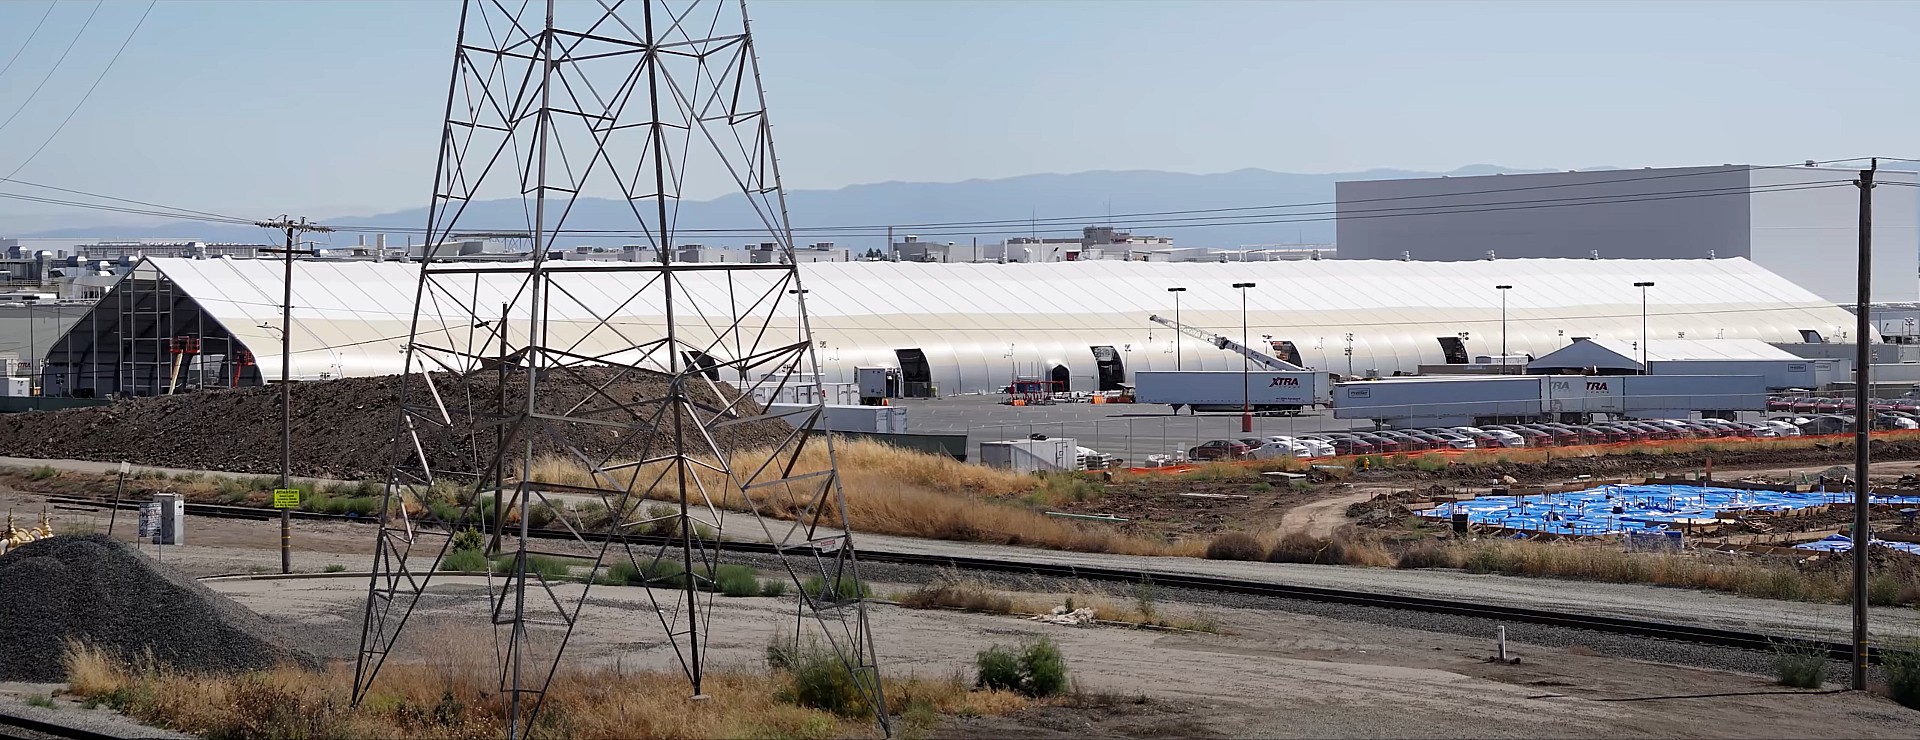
(1494, 436)
(1813, 405)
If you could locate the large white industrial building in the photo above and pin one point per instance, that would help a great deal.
(1799, 222)
(956, 327)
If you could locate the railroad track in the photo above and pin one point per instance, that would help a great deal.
(12, 726)
(1697, 635)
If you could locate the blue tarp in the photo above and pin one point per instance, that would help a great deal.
(1843, 543)
(1612, 509)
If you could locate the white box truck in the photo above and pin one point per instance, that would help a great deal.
(1033, 455)
(1286, 391)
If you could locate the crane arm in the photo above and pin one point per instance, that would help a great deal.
(1222, 342)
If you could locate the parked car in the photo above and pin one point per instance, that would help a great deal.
(1408, 441)
(1283, 446)
(1533, 437)
(1561, 437)
(1218, 449)
(1885, 420)
(1501, 437)
(1344, 444)
(1827, 424)
(1381, 444)
(1782, 428)
(1454, 440)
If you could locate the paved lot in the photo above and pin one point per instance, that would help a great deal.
(1130, 431)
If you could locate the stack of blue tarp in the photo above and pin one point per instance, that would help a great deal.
(1843, 543)
(1615, 509)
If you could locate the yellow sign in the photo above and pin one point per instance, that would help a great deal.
(286, 498)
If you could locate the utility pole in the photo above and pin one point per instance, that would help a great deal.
(1503, 325)
(293, 229)
(1178, 328)
(1246, 382)
(1862, 362)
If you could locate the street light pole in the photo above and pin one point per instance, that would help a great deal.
(1643, 286)
(1349, 354)
(1503, 325)
(1246, 365)
(1178, 328)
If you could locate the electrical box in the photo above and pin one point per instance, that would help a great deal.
(877, 383)
(16, 387)
(173, 519)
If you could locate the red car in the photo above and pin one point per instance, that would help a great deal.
(1218, 449)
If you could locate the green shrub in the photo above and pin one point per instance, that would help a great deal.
(1235, 546)
(40, 700)
(773, 587)
(1902, 666)
(465, 561)
(1043, 669)
(1799, 663)
(1037, 669)
(549, 568)
(469, 539)
(1883, 590)
(999, 669)
(844, 588)
(540, 515)
(335, 568)
(736, 580)
(620, 574)
(820, 678)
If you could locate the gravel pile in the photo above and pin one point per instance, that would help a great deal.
(344, 429)
(103, 593)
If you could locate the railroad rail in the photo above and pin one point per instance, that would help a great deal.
(37, 728)
(1691, 634)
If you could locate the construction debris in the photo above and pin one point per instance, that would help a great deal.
(1077, 618)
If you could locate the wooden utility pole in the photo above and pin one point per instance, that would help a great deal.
(292, 229)
(1862, 425)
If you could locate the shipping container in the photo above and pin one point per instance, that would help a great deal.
(1440, 401)
(1674, 396)
(1215, 390)
(1032, 455)
(847, 418)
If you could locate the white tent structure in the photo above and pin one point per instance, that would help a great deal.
(959, 327)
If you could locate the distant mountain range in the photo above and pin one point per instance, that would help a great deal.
(1091, 195)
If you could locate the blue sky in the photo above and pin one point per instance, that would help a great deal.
(330, 107)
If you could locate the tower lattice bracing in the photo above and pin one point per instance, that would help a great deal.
(608, 411)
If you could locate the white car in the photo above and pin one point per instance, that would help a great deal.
(1507, 439)
(1454, 439)
(1782, 428)
(1282, 446)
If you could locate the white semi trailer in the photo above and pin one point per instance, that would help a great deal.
(1286, 391)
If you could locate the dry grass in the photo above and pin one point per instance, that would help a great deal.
(1344, 548)
(455, 700)
(890, 491)
(952, 590)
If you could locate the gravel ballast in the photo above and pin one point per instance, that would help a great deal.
(106, 594)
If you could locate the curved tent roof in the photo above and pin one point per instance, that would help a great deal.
(979, 323)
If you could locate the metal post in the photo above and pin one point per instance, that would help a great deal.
(1862, 381)
(1503, 325)
(1177, 327)
(1246, 365)
(1643, 286)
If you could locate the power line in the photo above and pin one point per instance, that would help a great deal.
(30, 36)
(90, 88)
(55, 67)
(118, 209)
(124, 200)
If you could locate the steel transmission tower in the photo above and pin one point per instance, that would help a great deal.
(615, 108)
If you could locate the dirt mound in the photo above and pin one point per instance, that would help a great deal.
(103, 593)
(346, 428)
